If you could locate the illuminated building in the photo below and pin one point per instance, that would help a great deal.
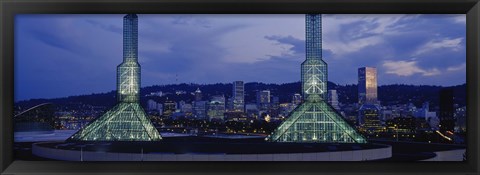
(263, 99)
(236, 116)
(216, 108)
(367, 85)
(368, 113)
(461, 117)
(402, 125)
(238, 96)
(169, 107)
(315, 120)
(127, 120)
(369, 118)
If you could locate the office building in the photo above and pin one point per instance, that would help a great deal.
(186, 108)
(154, 106)
(200, 109)
(367, 85)
(238, 92)
(447, 120)
(216, 108)
(263, 99)
(198, 95)
(369, 118)
(169, 107)
(333, 99)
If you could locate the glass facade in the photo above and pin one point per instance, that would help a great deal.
(128, 72)
(315, 120)
(367, 85)
(127, 120)
(128, 82)
(314, 80)
(124, 122)
(238, 96)
(313, 34)
(314, 69)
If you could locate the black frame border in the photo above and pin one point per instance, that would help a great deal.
(8, 9)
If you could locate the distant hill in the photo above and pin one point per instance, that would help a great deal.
(387, 94)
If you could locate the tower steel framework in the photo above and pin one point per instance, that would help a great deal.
(127, 120)
(315, 120)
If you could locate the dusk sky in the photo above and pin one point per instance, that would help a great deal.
(63, 55)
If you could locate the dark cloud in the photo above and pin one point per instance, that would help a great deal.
(298, 44)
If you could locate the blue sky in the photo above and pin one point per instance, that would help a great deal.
(63, 55)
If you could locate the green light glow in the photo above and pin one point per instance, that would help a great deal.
(127, 120)
(124, 122)
(315, 120)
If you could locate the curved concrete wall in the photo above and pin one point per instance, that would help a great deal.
(452, 155)
(75, 155)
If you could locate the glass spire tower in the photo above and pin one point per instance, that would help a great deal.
(315, 120)
(127, 120)
(128, 72)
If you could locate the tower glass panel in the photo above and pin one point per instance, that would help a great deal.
(315, 120)
(127, 120)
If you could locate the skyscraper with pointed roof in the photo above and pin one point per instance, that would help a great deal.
(315, 120)
(127, 120)
(198, 95)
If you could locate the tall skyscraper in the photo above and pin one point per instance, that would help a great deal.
(333, 99)
(238, 96)
(447, 121)
(127, 120)
(200, 109)
(263, 99)
(198, 95)
(368, 113)
(315, 120)
(367, 85)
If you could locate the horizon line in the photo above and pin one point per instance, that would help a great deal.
(93, 93)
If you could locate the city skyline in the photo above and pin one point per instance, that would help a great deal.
(346, 45)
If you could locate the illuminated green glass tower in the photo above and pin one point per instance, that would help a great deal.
(315, 120)
(127, 120)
